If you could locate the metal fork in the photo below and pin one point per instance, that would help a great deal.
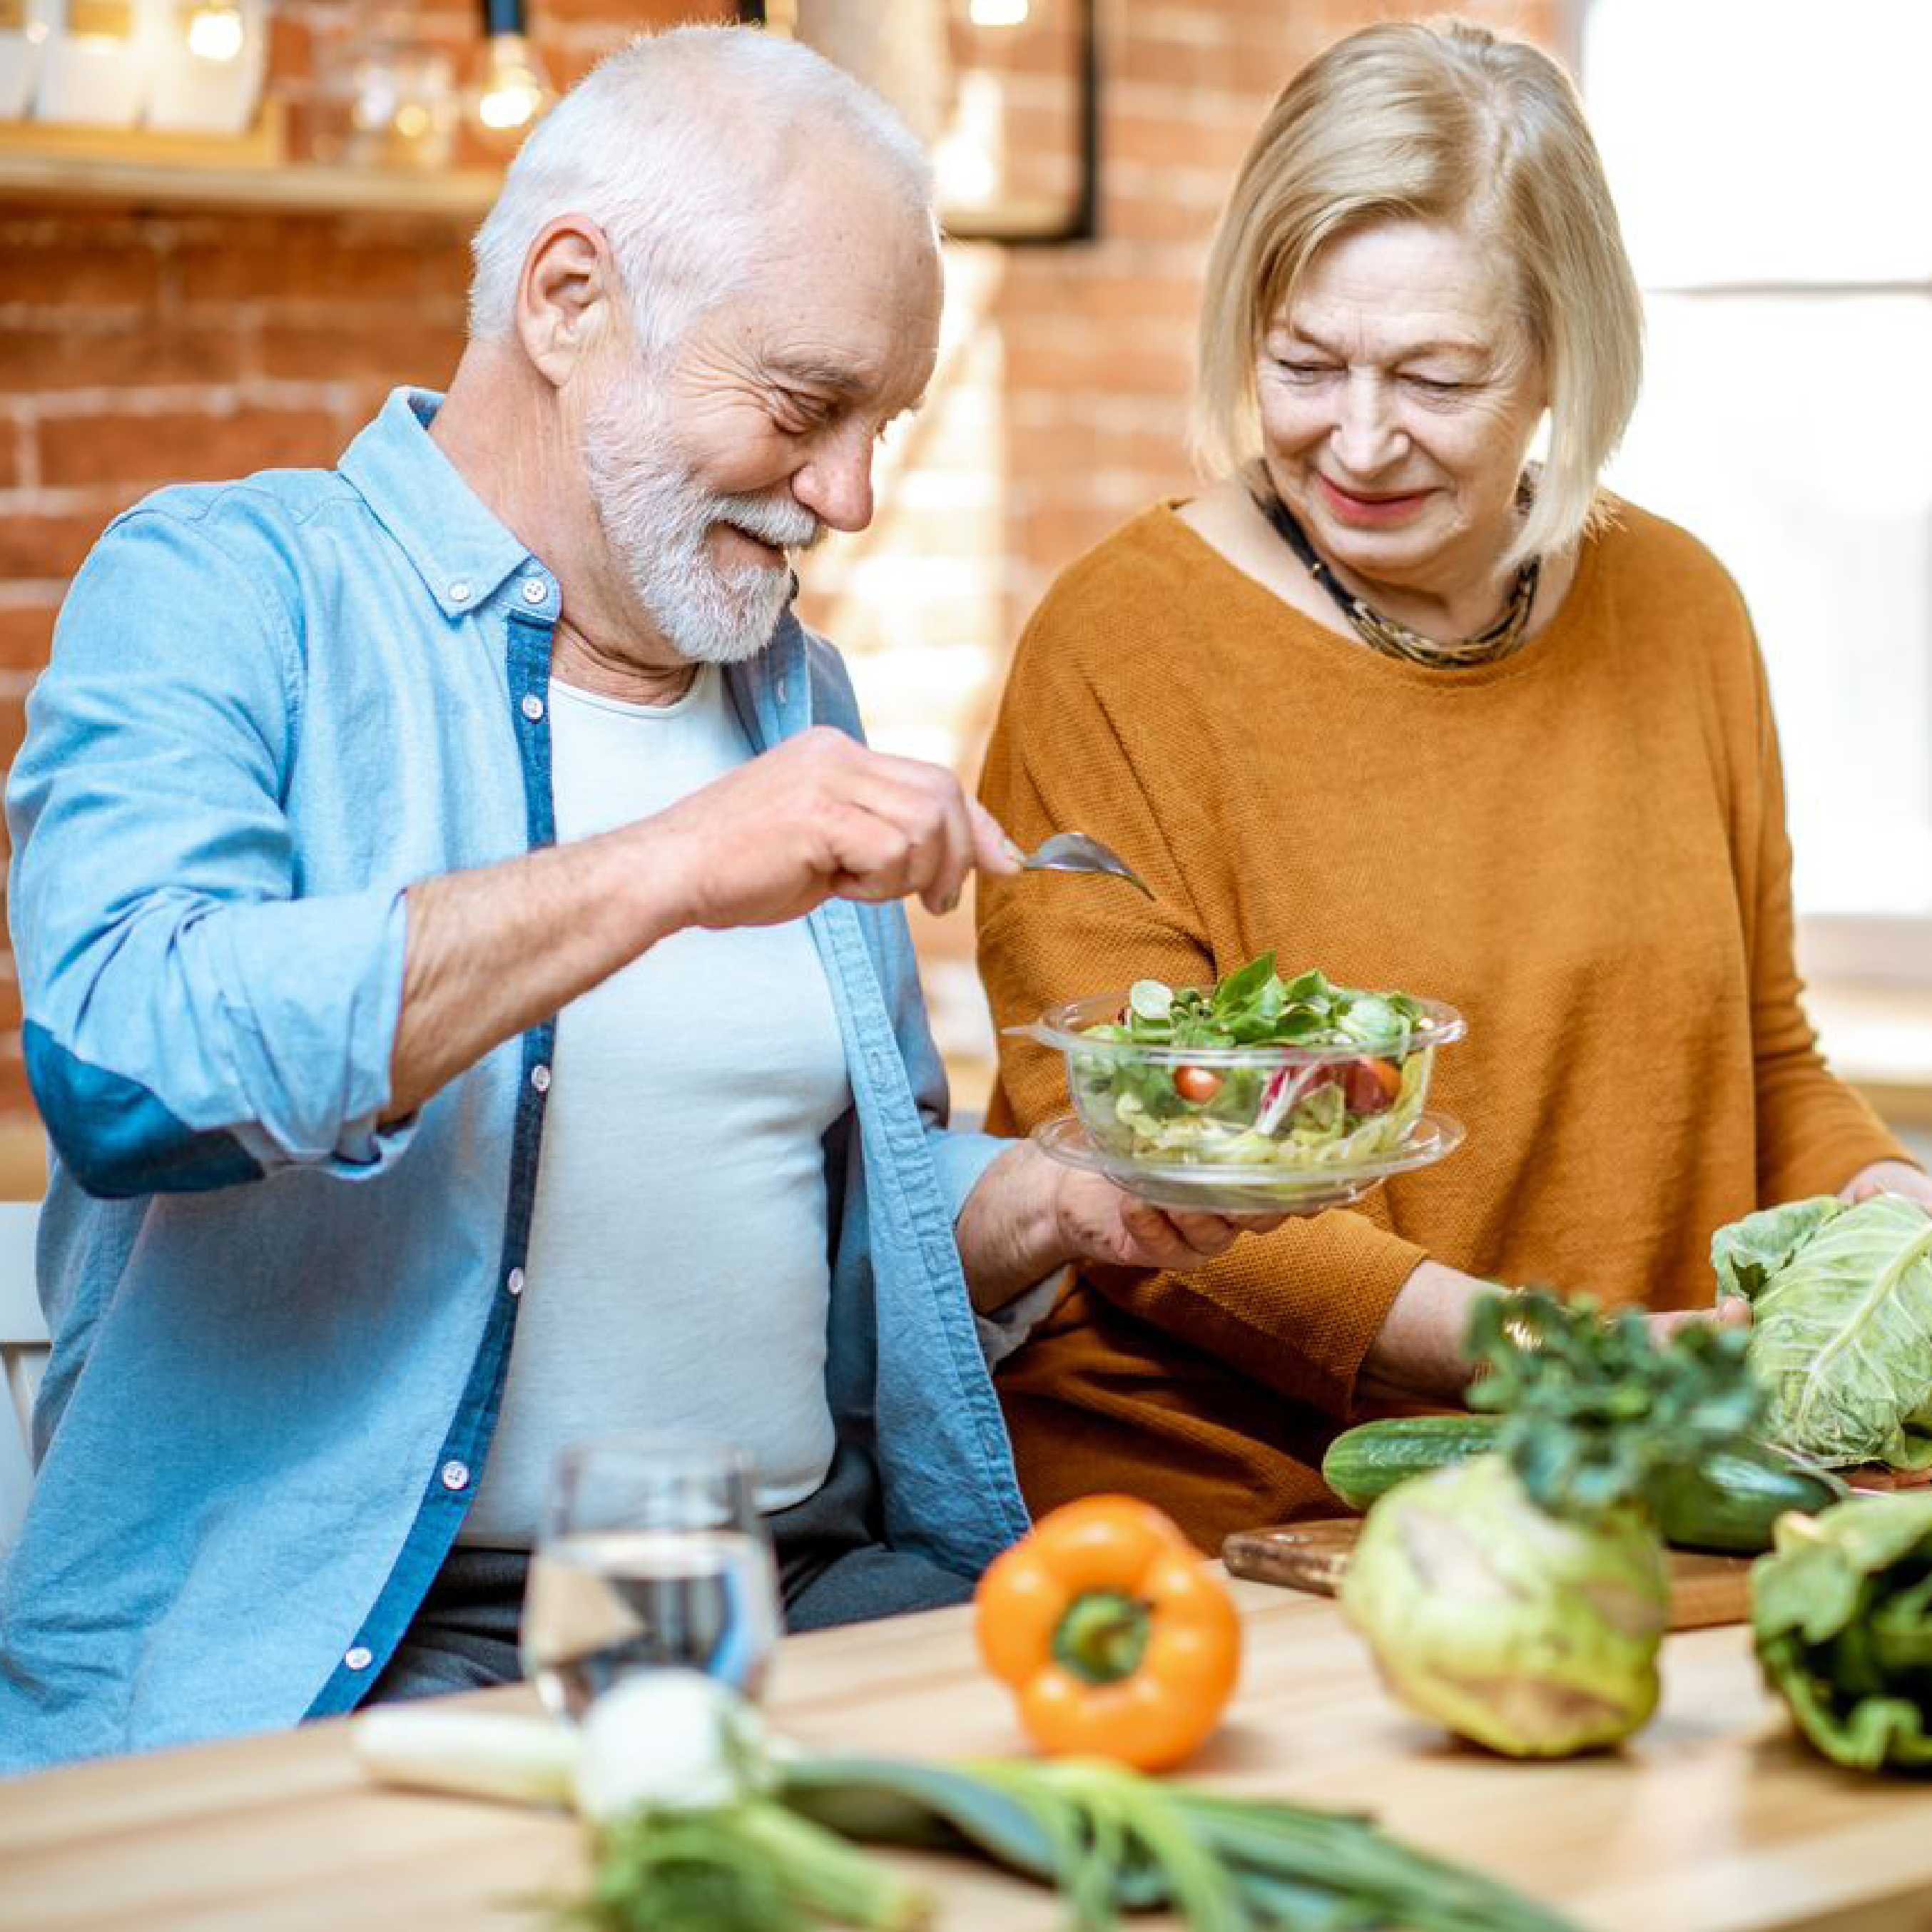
(1074, 852)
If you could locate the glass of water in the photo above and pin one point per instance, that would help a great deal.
(651, 1553)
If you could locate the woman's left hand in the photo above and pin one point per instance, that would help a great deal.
(1890, 1177)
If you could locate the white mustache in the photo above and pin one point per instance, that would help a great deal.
(776, 520)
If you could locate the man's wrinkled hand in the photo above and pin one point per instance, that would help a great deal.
(820, 817)
(1099, 1223)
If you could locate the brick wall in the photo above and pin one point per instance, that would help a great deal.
(139, 348)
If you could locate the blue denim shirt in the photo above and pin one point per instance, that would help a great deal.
(280, 1327)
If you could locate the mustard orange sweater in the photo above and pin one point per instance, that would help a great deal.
(1582, 848)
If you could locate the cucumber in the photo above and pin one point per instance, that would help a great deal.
(1366, 1462)
(1728, 1502)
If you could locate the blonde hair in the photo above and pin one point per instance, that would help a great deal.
(1445, 122)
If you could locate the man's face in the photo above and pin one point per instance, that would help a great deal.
(757, 434)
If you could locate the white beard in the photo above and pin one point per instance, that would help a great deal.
(657, 518)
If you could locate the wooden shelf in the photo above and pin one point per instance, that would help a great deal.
(64, 167)
(308, 188)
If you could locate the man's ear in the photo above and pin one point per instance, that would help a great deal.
(568, 294)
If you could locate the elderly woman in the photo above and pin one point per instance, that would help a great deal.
(1391, 700)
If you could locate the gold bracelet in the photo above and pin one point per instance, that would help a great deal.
(1526, 1338)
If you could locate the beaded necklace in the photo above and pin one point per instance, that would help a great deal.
(1503, 638)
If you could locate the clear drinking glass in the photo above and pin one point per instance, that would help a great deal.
(651, 1553)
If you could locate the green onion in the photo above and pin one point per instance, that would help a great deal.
(1113, 1840)
(751, 1866)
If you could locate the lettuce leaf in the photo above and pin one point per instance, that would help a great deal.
(1841, 1303)
(1843, 1628)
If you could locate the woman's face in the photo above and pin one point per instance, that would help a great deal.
(1399, 395)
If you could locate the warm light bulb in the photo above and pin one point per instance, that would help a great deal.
(513, 92)
(509, 103)
(998, 13)
(214, 31)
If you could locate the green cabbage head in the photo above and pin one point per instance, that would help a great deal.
(1841, 1324)
(1534, 1636)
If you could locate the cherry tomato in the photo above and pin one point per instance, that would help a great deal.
(1198, 1084)
(1372, 1084)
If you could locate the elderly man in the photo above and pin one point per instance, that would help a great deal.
(464, 984)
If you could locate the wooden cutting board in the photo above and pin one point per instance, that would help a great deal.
(1705, 1589)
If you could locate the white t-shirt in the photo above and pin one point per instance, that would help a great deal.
(678, 1273)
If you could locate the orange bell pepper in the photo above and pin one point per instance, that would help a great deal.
(1115, 1639)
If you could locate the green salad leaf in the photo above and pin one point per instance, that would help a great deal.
(1254, 1006)
(1841, 1304)
(1324, 1111)
(1842, 1614)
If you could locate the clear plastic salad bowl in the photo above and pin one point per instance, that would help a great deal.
(1264, 1127)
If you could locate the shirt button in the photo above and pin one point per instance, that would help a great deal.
(456, 1475)
(540, 1077)
(781, 690)
(534, 590)
(515, 1282)
(358, 1658)
(459, 591)
(532, 707)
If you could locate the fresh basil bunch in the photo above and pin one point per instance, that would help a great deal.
(1598, 1415)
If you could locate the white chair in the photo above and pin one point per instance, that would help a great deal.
(23, 1360)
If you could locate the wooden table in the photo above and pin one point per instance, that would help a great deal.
(1713, 1818)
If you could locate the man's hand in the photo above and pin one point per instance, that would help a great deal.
(823, 817)
(1099, 1223)
(1029, 1216)
(492, 952)
(1890, 1177)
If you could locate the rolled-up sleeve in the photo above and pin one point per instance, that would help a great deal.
(192, 1018)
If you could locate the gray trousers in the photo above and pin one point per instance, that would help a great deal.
(833, 1569)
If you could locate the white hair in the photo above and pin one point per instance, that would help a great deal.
(678, 146)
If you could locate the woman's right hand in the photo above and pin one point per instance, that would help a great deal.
(1417, 1354)
(1731, 1314)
